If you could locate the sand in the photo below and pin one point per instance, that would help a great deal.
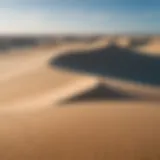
(83, 131)
(153, 47)
(47, 113)
(28, 75)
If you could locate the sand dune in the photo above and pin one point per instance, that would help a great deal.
(29, 77)
(50, 113)
(146, 45)
(153, 47)
(113, 62)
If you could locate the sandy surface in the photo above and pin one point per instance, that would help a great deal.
(152, 48)
(100, 131)
(35, 125)
(29, 76)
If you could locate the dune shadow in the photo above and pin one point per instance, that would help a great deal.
(100, 92)
(139, 42)
(114, 62)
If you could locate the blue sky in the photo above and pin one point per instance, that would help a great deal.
(79, 16)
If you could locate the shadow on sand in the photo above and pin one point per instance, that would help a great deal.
(101, 92)
(114, 62)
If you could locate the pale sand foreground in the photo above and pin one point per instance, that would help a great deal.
(34, 127)
(89, 131)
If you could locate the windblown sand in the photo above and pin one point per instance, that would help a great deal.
(35, 125)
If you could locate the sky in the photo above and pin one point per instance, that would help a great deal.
(79, 16)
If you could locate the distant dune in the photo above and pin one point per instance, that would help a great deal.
(153, 47)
